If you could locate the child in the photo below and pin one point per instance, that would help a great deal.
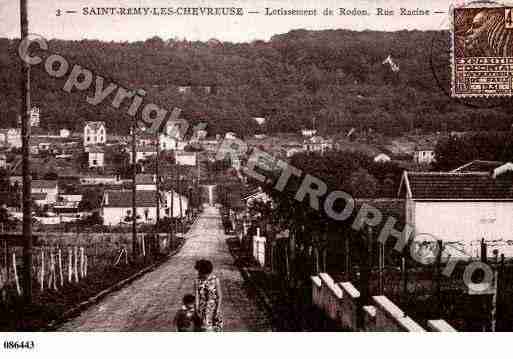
(186, 319)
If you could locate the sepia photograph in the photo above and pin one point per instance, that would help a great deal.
(275, 166)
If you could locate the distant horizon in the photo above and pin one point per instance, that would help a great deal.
(43, 19)
(233, 42)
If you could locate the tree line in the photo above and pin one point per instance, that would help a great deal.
(334, 76)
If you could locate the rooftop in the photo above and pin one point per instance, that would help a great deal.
(456, 186)
(44, 184)
(479, 166)
(123, 199)
(95, 125)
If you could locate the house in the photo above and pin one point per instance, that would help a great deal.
(10, 138)
(95, 133)
(169, 143)
(145, 182)
(382, 158)
(184, 90)
(44, 146)
(186, 158)
(424, 154)
(46, 192)
(92, 179)
(96, 157)
(255, 195)
(460, 207)
(64, 133)
(317, 144)
(68, 203)
(117, 207)
(173, 198)
(230, 136)
(308, 132)
(142, 153)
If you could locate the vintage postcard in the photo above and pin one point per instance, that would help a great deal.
(310, 166)
(482, 38)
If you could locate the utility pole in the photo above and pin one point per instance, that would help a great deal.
(25, 135)
(157, 179)
(178, 189)
(134, 192)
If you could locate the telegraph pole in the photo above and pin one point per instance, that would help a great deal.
(25, 135)
(134, 192)
(157, 176)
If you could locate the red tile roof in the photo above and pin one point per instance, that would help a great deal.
(458, 186)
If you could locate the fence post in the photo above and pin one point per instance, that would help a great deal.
(16, 279)
(81, 262)
(59, 259)
(75, 263)
(70, 265)
(42, 269)
(404, 272)
(85, 265)
(54, 276)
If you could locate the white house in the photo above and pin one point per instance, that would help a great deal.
(308, 132)
(317, 144)
(64, 133)
(459, 207)
(95, 133)
(93, 179)
(145, 182)
(117, 207)
(169, 143)
(184, 89)
(424, 155)
(186, 158)
(47, 192)
(10, 137)
(172, 197)
(96, 157)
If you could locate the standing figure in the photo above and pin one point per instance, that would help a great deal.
(208, 297)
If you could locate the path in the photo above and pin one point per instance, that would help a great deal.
(149, 303)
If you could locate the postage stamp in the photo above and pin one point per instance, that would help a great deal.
(482, 50)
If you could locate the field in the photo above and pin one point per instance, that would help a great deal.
(69, 268)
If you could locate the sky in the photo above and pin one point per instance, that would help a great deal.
(43, 19)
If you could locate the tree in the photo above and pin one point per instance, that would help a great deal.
(362, 184)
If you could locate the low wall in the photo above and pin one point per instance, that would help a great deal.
(341, 303)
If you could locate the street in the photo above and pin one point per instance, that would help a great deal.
(150, 302)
